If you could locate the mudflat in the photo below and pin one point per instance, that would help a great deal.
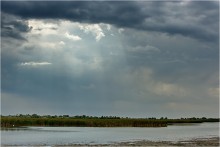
(214, 141)
(194, 142)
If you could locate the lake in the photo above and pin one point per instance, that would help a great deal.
(91, 135)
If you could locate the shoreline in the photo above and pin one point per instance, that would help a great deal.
(213, 141)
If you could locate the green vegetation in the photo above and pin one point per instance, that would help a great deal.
(89, 121)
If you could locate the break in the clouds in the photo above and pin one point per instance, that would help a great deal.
(72, 37)
(136, 58)
(34, 63)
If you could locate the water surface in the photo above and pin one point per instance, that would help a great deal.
(91, 135)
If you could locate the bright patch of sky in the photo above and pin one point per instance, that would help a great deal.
(136, 59)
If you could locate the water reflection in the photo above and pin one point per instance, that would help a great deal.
(15, 129)
(184, 124)
(41, 129)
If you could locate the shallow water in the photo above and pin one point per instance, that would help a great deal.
(91, 135)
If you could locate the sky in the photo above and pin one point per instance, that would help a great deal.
(127, 58)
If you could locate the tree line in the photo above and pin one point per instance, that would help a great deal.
(93, 121)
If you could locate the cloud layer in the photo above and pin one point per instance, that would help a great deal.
(193, 19)
(138, 59)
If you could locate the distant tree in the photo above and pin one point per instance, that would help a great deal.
(65, 115)
(21, 115)
(35, 116)
(193, 118)
(55, 116)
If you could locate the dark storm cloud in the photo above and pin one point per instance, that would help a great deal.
(193, 19)
(13, 28)
(111, 12)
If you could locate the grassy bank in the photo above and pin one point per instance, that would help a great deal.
(84, 121)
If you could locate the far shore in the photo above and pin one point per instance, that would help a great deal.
(93, 121)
